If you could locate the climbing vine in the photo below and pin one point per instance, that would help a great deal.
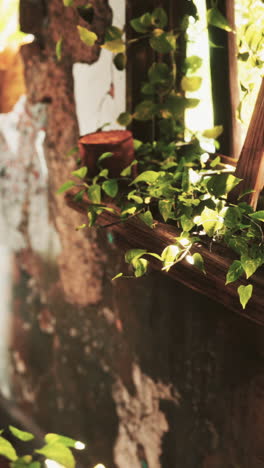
(56, 448)
(177, 181)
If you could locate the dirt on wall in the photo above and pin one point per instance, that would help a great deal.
(147, 373)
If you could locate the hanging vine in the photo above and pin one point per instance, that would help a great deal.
(177, 182)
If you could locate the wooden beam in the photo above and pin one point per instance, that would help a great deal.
(135, 234)
(250, 166)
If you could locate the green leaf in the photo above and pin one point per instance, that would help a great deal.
(86, 36)
(82, 226)
(245, 293)
(211, 221)
(134, 254)
(80, 173)
(232, 217)
(103, 156)
(103, 173)
(94, 193)
(141, 24)
(140, 265)
(110, 187)
(169, 255)
(158, 72)
(257, 216)
(79, 196)
(186, 223)
(59, 453)
(162, 42)
(136, 198)
(117, 276)
(7, 450)
(165, 207)
(120, 61)
(191, 83)
(67, 441)
(125, 118)
(238, 244)
(215, 18)
(159, 18)
(145, 110)
(191, 103)
(147, 176)
(68, 3)
(250, 265)
(24, 462)
(147, 218)
(138, 26)
(66, 186)
(22, 435)
(127, 171)
(198, 262)
(129, 210)
(214, 132)
(221, 184)
(113, 33)
(234, 272)
(173, 106)
(92, 216)
(117, 46)
(193, 63)
(59, 49)
(137, 144)
(216, 161)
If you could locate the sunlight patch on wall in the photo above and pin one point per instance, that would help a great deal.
(201, 117)
(10, 36)
(99, 89)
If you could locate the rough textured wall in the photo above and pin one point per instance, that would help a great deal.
(146, 372)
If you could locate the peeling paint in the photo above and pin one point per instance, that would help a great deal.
(141, 422)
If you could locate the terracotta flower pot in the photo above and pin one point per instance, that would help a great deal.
(118, 142)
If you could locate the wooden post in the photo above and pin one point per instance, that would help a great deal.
(250, 166)
(224, 77)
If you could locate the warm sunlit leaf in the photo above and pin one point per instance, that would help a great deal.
(245, 293)
(234, 272)
(58, 452)
(21, 435)
(86, 36)
(7, 450)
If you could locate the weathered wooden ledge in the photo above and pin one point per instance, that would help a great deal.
(136, 234)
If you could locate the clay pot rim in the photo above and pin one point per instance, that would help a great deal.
(128, 136)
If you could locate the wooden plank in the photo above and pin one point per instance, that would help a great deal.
(135, 234)
(250, 166)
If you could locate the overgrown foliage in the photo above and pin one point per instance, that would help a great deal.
(250, 41)
(177, 182)
(56, 447)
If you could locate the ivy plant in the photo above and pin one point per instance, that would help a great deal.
(177, 182)
(56, 447)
